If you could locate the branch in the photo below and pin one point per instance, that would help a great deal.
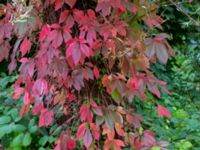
(197, 23)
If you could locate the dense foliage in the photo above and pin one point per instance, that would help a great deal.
(182, 75)
(92, 58)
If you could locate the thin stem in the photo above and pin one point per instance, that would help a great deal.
(197, 23)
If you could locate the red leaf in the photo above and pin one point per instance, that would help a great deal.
(161, 53)
(17, 93)
(133, 84)
(55, 26)
(104, 7)
(134, 119)
(154, 90)
(91, 36)
(25, 46)
(66, 34)
(85, 50)
(119, 143)
(88, 74)
(160, 37)
(85, 113)
(95, 131)
(118, 128)
(63, 16)
(159, 46)
(81, 131)
(96, 72)
(70, 144)
(163, 112)
(76, 55)
(93, 104)
(24, 110)
(40, 87)
(65, 142)
(56, 38)
(70, 97)
(4, 50)
(87, 139)
(26, 98)
(154, 21)
(46, 117)
(58, 3)
(110, 133)
(114, 144)
(134, 9)
(148, 139)
(44, 32)
(71, 3)
(37, 108)
(97, 111)
(74, 51)
(24, 60)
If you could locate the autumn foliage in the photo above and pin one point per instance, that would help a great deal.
(87, 59)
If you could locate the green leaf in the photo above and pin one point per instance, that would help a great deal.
(115, 117)
(18, 140)
(4, 120)
(193, 124)
(53, 128)
(19, 128)
(180, 114)
(184, 145)
(33, 129)
(16, 148)
(43, 140)
(109, 121)
(27, 139)
(115, 95)
(14, 113)
(155, 148)
(52, 139)
(4, 81)
(4, 130)
(99, 120)
(31, 123)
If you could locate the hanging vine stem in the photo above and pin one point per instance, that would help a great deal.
(197, 23)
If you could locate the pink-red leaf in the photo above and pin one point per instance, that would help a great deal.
(85, 50)
(44, 32)
(87, 139)
(37, 108)
(40, 87)
(96, 72)
(161, 53)
(148, 139)
(71, 3)
(58, 3)
(95, 131)
(70, 144)
(163, 112)
(81, 131)
(26, 98)
(55, 36)
(63, 16)
(118, 128)
(17, 93)
(46, 117)
(85, 113)
(74, 51)
(97, 111)
(25, 46)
